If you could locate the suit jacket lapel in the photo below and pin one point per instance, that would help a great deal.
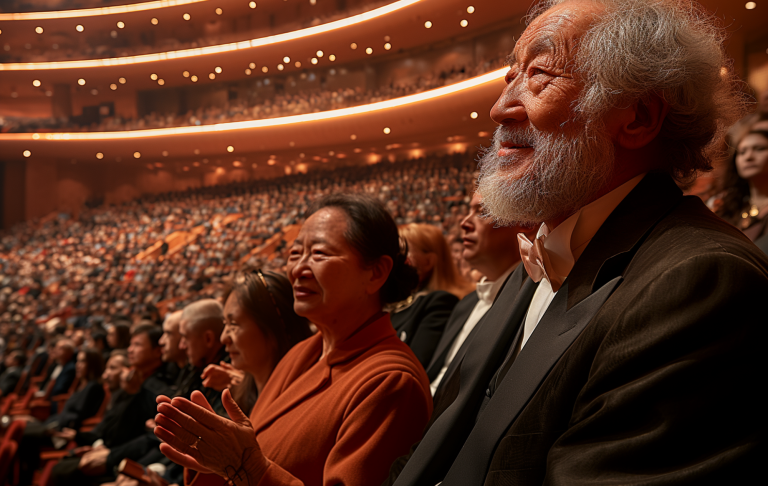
(554, 334)
(455, 323)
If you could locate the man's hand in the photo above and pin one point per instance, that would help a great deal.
(66, 434)
(94, 463)
(221, 376)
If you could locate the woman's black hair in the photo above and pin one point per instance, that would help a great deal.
(123, 330)
(372, 232)
(735, 187)
(94, 363)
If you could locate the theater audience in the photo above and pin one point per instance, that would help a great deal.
(420, 319)
(341, 405)
(83, 404)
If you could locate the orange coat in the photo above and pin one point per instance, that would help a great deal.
(343, 419)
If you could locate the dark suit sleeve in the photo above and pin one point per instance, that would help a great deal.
(64, 380)
(433, 318)
(8, 381)
(673, 391)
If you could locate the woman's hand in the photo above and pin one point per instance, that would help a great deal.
(221, 376)
(66, 434)
(196, 438)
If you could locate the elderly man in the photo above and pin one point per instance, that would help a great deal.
(631, 355)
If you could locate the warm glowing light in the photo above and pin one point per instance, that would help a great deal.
(297, 64)
(387, 131)
(154, 21)
(211, 75)
(252, 4)
(248, 71)
(237, 163)
(165, 153)
(464, 23)
(280, 67)
(252, 65)
(368, 50)
(113, 86)
(36, 83)
(79, 28)
(387, 46)
(185, 74)
(470, 9)
(81, 82)
(99, 155)
(353, 46)
(121, 80)
(473, 115)
(332, 57)
(186, 16)
(153, 77)
(428, 24)
(319, 53)
(94, 91)
(39, 30)
(121, 25)
(161, 82)
(313, 60)
(264, 69)
(219, 11)
(353, 137)
(193, 78)
(230, 149)
(750, 5)
(217, 70)
(286, 59)
(26, 153)
(136, 155)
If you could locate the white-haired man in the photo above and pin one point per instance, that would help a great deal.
(631, 355)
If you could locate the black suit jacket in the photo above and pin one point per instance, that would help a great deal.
(65, 379)
(80, 406)
(644, 368)
(9, 379)
(421, 325)
(455, 322)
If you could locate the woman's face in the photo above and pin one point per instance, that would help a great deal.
(112, 337)
(326, 272)
(752, 156)
(248, 347)
(422, 261)
(81, 366)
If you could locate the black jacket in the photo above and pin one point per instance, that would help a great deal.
(421, 325)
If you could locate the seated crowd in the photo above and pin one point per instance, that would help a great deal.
(613, 335)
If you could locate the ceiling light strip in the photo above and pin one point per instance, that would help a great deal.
(491, 77)
(94, 12)
(202, 51)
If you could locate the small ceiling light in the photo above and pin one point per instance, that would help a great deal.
(121, 80)
(252, 65)
(113, 86)
(79, 28)
(230, 149)
(48, 93)
(280, 67)
(331, 57)
(99, 155)
(211, 76)
(297, 64)
(153, 77)
(137, 155)
(186, 16)
(252, 4)
(161, 82)
(473, 115)
(154, 21)
(185, 74)
(94, 91)
(193, 78)
(751, 5)
(470, 9)
(387, 131)
(313, 60)
(386, 38)
(286, 59)
(219, 11)
(26, 153)
(185, 169)
(36, 83)
(248, 71)
(165, 153)
(387, 46)
(353, 46)
(319, 53)
(39, 30)
(218, 70)
(464, 23)
(428, 24)
(264, 69)
(81, 82)
(353, 137)
(121, 25)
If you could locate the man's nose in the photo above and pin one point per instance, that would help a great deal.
(509, 108)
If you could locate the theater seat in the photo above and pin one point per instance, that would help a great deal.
(7, 453)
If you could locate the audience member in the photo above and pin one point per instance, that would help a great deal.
(591, 368)
(341, 405)
(420, 319)
(61, 373)
(119, 335)
(14, 365)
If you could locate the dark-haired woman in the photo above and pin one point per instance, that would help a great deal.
(341, 405)
(83, 403)
(745, 192)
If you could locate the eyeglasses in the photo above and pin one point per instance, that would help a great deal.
(271, 297)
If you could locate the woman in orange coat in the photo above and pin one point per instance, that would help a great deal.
(342, 405)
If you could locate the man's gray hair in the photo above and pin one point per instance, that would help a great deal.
(669, 48)
(203, 315)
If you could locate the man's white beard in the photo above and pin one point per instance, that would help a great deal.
(568, 168)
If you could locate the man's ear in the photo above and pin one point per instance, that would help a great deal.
(639, 124)
(380, 273)
(208, 338)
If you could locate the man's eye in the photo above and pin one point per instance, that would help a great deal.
(534, 71)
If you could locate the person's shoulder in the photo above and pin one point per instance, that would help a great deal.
(439, 298)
